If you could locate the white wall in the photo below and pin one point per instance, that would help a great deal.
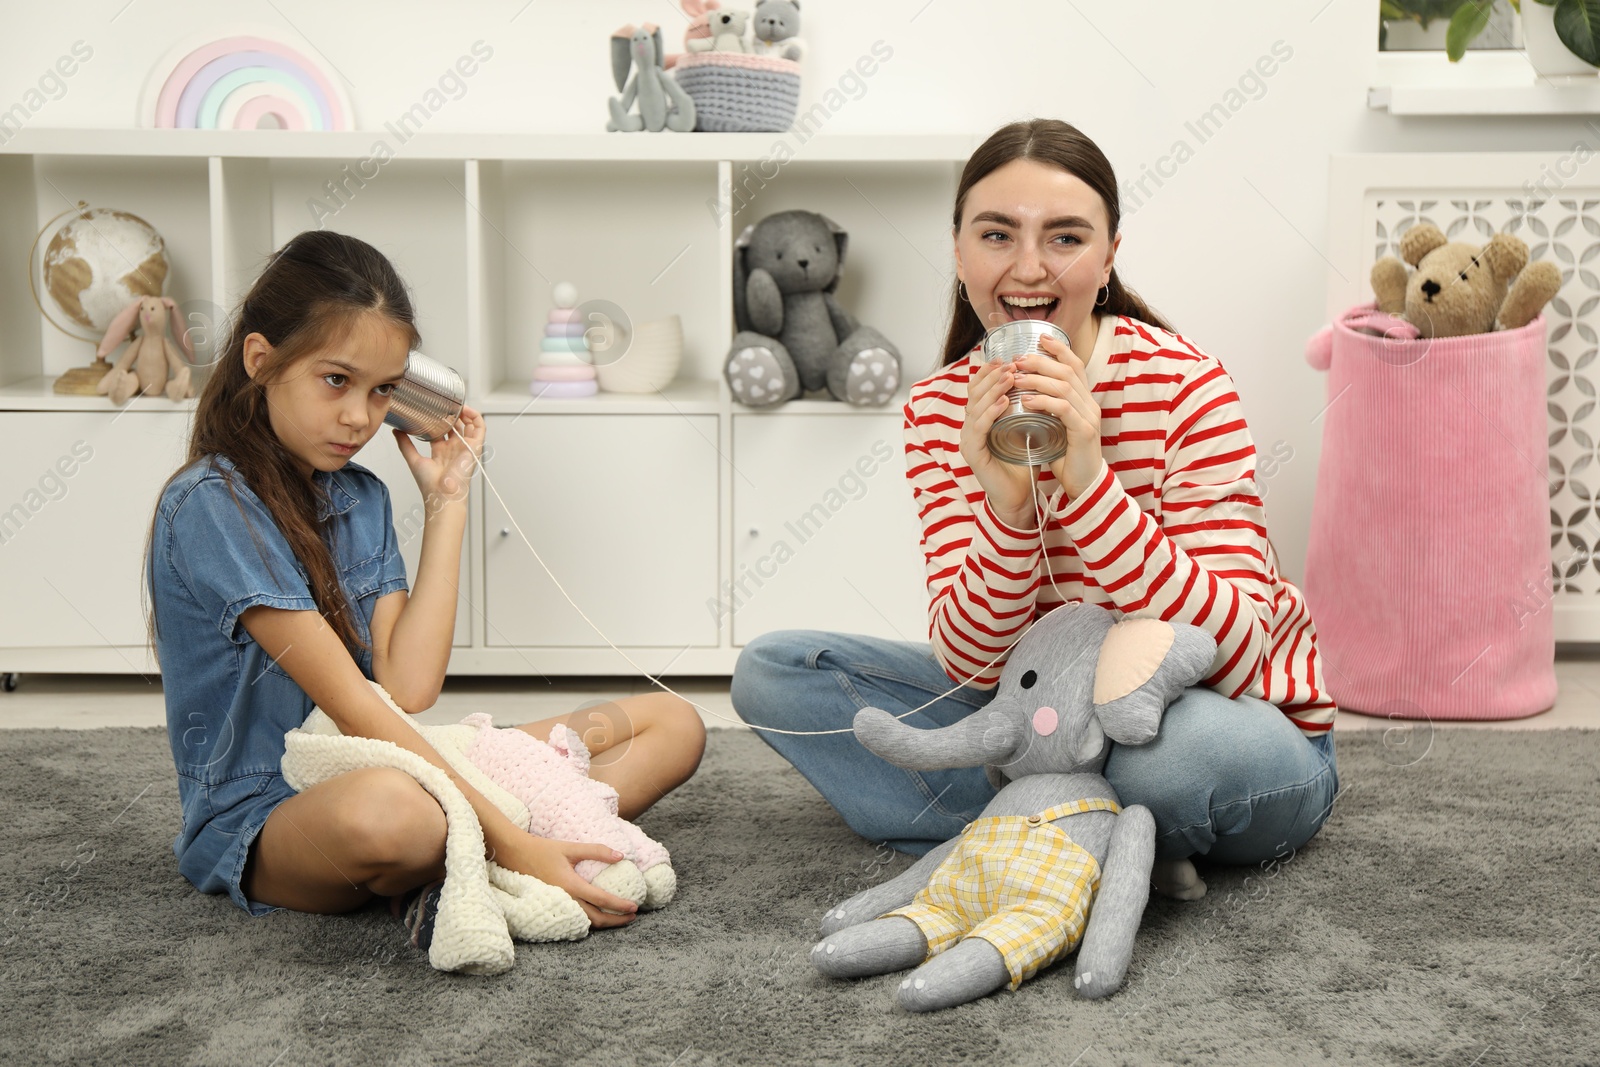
(1228, 247)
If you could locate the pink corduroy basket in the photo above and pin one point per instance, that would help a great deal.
(1428, 568)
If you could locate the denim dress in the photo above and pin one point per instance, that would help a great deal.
(229, 703)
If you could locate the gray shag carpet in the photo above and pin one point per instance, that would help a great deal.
(1446, 915)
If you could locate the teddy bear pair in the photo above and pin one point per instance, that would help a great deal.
(1460, 288)
(771, 30)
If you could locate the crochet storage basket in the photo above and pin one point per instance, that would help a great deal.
(734, 92)
(1428, 567)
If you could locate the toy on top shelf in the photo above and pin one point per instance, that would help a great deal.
(151, 357)
(740, 70)
(728, 29)
(662, 102)
(564, 371)
(699, 30)
(776, 29)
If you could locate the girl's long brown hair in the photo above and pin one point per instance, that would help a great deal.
(313, 291)
(1059, 144)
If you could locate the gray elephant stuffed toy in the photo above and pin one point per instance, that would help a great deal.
(1053, 860)
(793, 335)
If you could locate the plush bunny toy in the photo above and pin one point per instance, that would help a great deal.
(151, 357)
(1054, 859)
(663, 105)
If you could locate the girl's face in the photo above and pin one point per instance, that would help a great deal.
(330, 402)
(1034, 243)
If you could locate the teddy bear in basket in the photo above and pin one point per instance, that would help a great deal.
(793, 335)
(1459, 288)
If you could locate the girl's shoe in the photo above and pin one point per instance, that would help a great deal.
(418, 912)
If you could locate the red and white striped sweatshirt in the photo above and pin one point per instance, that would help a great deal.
(1172, 528)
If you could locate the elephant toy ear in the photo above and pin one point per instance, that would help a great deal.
(1144, 665)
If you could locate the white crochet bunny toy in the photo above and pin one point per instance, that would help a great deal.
(542, 788)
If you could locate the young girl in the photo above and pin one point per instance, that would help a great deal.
(1153, 511)
(276, 585)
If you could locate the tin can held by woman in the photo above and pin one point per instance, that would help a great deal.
(1021, 436)
(428, 400)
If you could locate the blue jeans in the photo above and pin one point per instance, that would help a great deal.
(1232, 780)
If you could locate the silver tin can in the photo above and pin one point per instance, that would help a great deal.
(1021, 436)
(428, 400)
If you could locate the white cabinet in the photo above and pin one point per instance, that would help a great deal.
(79, 490)
(643, 506)
(826, 535)
(623, 511)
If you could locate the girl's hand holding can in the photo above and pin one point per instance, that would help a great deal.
(447, 470)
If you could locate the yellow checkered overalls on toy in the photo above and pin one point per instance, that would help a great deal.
(1018, 882)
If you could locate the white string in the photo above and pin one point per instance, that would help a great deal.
(700, 707)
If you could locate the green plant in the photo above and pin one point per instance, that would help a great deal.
(1467, 19)
(1578, 26)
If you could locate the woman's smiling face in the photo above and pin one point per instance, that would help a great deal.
(1034, 243)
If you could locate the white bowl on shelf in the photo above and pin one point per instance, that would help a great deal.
(650, 361)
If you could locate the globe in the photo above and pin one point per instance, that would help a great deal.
(98, 261)
(94, 262)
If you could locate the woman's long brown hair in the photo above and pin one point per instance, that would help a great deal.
(312, 292)
(1063, 145)
(1058, 144)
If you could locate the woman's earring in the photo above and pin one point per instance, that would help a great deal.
(1105, 294)
(961, 290)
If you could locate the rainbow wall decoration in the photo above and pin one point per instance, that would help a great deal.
(236, 83)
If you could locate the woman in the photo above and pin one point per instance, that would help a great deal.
(1153, 511)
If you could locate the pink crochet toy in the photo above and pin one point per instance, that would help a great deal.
(699, 28)
(552, 781)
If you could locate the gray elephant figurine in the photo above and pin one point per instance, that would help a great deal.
(1053, 860)
(793, 335)
(663, 103)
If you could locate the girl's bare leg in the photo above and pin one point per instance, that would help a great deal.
(642, 746)
(334, 846)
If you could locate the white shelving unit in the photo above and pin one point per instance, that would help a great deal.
(1483, 83)
(682, 523)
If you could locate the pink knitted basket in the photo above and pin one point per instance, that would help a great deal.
(1430, 530)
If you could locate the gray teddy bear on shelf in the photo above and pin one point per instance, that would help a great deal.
(776, 30)
(793, 335)
(1053, 859)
